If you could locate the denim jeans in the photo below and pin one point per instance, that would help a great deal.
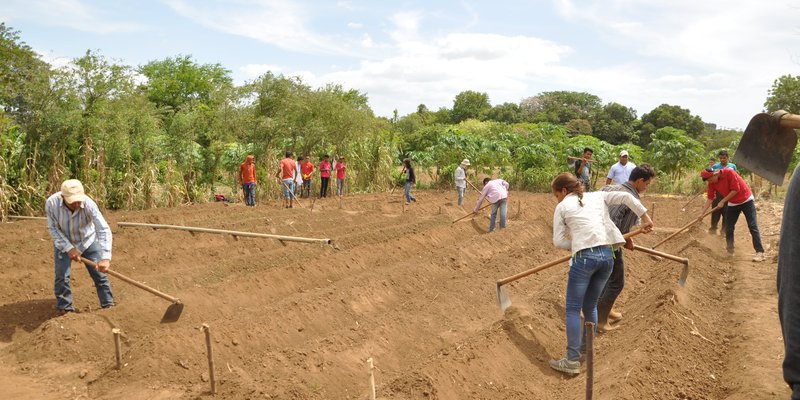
(288, 188)
(614, 286)
(502, 206)
(789, 285)
(715, 216)
(461, 195)
(339, 187)
(407, 194)
(249, 190)
(588, 274)
(323, 189)
(63, 271)
(749, 210)
(306, 188)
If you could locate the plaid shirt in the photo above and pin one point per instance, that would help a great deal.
(77, 229)
(622, 216)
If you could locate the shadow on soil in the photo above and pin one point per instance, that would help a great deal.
(26, 315)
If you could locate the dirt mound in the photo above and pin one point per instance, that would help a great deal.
(402, 285)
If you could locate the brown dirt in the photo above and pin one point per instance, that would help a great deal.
(409, 289)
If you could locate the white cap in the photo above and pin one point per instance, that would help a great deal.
(623, 153)
(72, 191)
(465, 162)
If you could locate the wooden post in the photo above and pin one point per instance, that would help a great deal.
(117, 347)
(371, 379)
(210, 352)
(589, 360)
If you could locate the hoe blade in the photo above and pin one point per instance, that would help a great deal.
(766, 148)
(173, 312)
(502, 297)
(684, 274)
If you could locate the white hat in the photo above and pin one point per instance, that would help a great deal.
(72, 191)
(623, 153)
(465, 162)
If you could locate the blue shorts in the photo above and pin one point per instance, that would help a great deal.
(288, 188)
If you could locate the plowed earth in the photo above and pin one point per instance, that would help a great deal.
(407, 288)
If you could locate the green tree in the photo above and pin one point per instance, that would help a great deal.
(507, 112)
(673, 152)
(784, 95)
(667, 115)
(173, 82)
(616, 124)
(560, 107)
(470, 104)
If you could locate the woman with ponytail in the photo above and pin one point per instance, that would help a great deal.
(581, 223)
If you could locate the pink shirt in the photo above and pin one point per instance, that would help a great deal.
(495, 190)
(325, 169)
(340, 167)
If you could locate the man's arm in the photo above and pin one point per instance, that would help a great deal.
(103, 232)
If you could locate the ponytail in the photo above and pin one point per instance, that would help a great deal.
(565, 180)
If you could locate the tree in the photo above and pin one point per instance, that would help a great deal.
(510, 113)
(173, 82)
(667, 115)
(616, 124)
(579, 127)
(469, 104)
(784, 95)
(560, 107)
(673, 152)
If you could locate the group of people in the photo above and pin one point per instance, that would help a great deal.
(296, 177)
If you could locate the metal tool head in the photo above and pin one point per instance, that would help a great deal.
(173, 312)
(766, 148)
(502, 297)
(684, 273)
(477, 226)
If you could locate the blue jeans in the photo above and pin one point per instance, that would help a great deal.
(339, 187)
(306, 188)
(732, 215)
(288, 188)
(409, 197)
(461, 195)
(502, 206)
(62, 288)
(588, 274)
(323, 189)
(249, 190)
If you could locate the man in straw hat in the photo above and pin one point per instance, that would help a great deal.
(78, 230)
(461, 180)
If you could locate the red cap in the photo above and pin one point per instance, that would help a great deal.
(707, 174)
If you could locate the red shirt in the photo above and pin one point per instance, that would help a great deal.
(325, 169)
(306, 168)
(288, 168)
(248, 172)
(730, 180)
(340, 167)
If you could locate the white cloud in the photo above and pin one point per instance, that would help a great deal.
(354, 25)
(72, 14)
(253, 71)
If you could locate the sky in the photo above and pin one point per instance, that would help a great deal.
(716, 58)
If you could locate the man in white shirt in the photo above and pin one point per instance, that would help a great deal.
(461, 180)
(621, 171)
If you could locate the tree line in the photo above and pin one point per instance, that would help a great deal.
(173, 131)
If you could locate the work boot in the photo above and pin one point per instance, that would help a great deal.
(566, 366)
(614, 315)
(759, 257)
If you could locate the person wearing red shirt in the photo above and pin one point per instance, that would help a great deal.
(286, 173)
(739, 199)
(324, 175)
(340, 169)
(247, 178)
(306, 169)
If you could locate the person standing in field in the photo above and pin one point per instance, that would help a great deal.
(286, 174)
(307, 169)
(461, 180)
(247, 178)
(716, 215)
(298, 177)
(78, 230)
(624, 219)
(341, 167)
(788, 279)
(583, 168)
(739, 199)
(581, 223)
(324, 175)
(496, 191)
(621, 171)
(411, 180)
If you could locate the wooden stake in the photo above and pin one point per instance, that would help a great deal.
(224, 232)
(210, 352)
(589, 359)
(371, 379)
(117, 347)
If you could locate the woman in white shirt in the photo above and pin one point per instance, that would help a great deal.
(592, 234)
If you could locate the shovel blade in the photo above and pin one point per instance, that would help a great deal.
(766, 148)
(684, 274)
(173, 313)
(502, 297)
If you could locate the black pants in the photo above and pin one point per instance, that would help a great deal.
(614, 286)
(715, 216)
(323, 191)
(789, 284)
(732, 215)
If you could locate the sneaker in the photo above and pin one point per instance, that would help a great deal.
(566, 366)
(759, 257)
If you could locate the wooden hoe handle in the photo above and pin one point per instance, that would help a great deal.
(133, 282)
(687, 226)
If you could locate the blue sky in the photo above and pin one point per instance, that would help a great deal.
(716, 58)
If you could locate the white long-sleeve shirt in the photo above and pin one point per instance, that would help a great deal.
(590, 225)
(77, 229)
(461, 178)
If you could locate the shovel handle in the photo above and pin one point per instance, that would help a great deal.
(534, 270)
(133, 282)
(661, 254)
(787, 120)
(472, 213)
(687, 226)
(473, 186)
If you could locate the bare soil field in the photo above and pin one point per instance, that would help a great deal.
(407, 288)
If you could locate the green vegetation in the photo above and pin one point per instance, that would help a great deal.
(172, 131)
